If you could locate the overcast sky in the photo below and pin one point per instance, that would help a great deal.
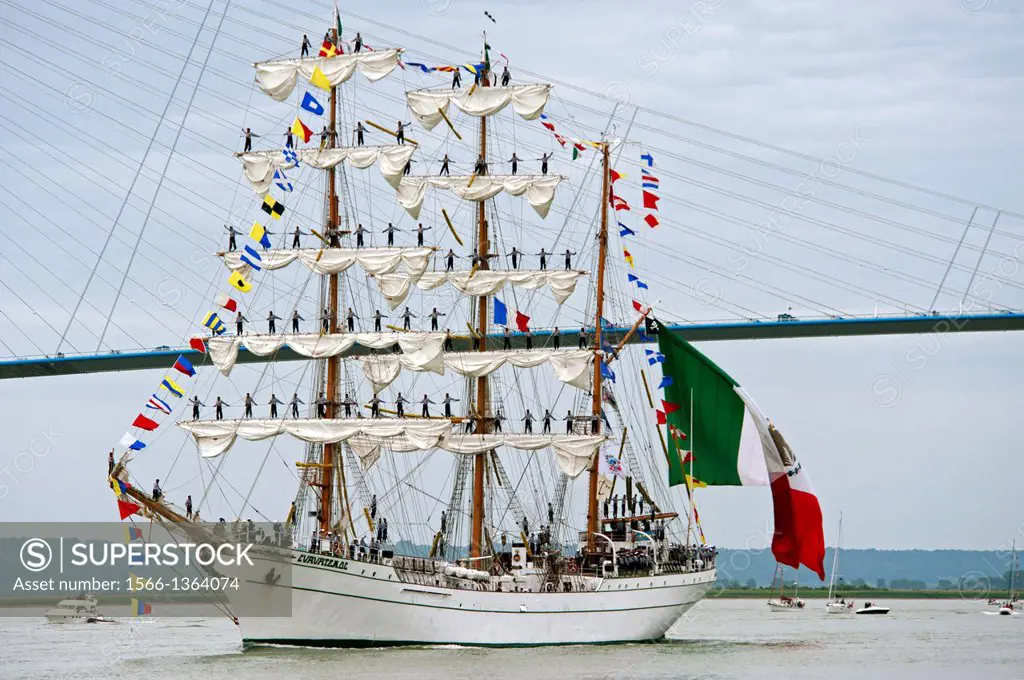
(914, 438)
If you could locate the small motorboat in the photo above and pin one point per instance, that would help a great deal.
(871, 608)
(1006, 609)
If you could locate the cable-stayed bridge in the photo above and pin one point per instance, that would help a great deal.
(939, 324)
(110, 245)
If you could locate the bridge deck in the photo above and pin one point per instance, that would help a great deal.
(35, 367)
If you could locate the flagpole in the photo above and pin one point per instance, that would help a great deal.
(690, 485)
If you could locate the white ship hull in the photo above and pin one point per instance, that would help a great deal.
(362, 604)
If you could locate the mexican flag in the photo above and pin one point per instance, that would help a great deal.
(733, 444)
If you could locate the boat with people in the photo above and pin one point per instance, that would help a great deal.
(450, 520)
(837, 605)
(781, 602)
(1011, 605)
(870, 608)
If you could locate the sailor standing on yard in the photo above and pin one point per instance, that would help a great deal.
(350, 319)
(544, 259)
(400, 403)
(305, 45)
(390, 231)
(231, 238)
(556, 338)
(359, 235)
(321, 406)
(188, 507)
(195, 406)
(568, 259)
(515, 255)
(348, 404)
(360, 130)
(447, 401)
(528, 420)
(274, 401)
(296, 318)
(248, 139)
(375, 406)
(239, 321)
(427, 401)
(547, 421)
(544, 163)
(444, 166)
(271, 318)
(296, 241)
(219, 408)
(419, 233)
(515, 162)
(294, 403)
(400, 132)
(433, 318)
(407, 316)
(249, 403)
(449, 261)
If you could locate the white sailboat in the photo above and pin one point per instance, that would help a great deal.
(1012, 604)
(781, 602)
(837, 605)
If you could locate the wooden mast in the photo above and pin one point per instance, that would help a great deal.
(593, 522)
(333, 363)
(480, 459)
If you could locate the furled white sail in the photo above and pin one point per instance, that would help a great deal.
(278, 78)
(376, 261)
(223, 350)
(574, 452)
(539, 189)
(527, 100)
(214, 437)
(368, 435)
(396, 286)
(571, 366)
(259, 166)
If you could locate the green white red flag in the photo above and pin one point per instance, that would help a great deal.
(733, 444)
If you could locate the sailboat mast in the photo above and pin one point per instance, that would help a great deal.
(482, 245)
(835, 558)
(592, 518)
(333, 363)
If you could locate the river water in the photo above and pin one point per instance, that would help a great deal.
(931, 639)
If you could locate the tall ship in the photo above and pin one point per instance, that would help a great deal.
(487, 461)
